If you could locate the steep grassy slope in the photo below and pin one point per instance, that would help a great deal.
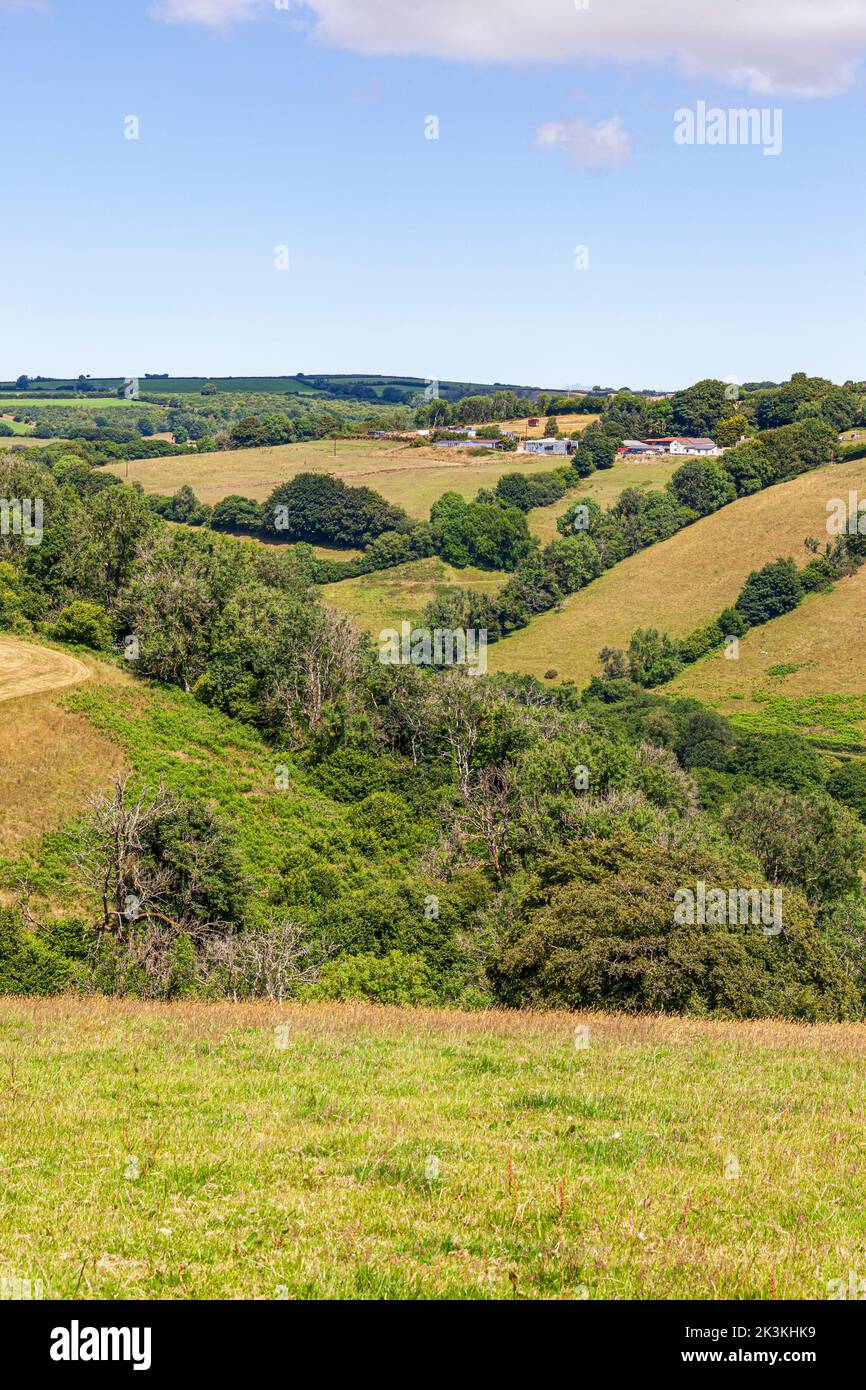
(164, 736)
(52, 757)
(804, 672)
(682, 582)
(818, 649)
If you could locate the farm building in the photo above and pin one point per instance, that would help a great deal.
(694, 446)
(670, 444)
(467, 443)
(533, 422)
(551, 446)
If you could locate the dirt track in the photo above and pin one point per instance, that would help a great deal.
(29, 670)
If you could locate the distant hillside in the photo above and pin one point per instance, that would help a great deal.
(397, 390)
(677, 584)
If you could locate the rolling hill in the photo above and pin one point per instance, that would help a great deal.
(680, 583)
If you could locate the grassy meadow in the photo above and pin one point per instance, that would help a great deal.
(680, 583)
(815, 650)
(201, 1151)
(409, 477)
(386, 597)
(604, 487)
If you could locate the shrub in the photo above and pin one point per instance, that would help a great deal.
(393, 979)
(702, 485)
(848, 785)
(86, 624)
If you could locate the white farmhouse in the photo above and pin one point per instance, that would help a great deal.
(684, 445)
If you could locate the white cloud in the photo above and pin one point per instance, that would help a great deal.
(810, 47)
(216, 13)
(599, 146)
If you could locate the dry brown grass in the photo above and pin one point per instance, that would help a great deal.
(52, 758)
(568, 425)
(26, 669)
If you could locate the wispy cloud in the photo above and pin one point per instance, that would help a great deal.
(588, 146)
(215, 13)
(809, 47)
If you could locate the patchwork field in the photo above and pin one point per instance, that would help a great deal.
(387, 597)
(16, 426)
(682, 582)
(604, 487)
(250, 1151)
(409, 477)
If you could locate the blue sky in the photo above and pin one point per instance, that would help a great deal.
(452, 257)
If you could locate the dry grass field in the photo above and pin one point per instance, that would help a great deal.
(254, 1151)
(26, 669)
(52, 758)
(821, 642)
(409, 477)
(680, 583)
(568, 424)
(387, 597)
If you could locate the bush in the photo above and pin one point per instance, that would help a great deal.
(702, 485)
(29, 964)
(848, 785)
(393, 979)
(86, 624)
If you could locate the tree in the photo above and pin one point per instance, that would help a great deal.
(769, 592)
(848, 784)
(234, 513)
(320, 509)
(594, 927)
(653, 658)
(730, 430)
(805, 840)
(698, 409)
(702, 485)
(149, 856)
